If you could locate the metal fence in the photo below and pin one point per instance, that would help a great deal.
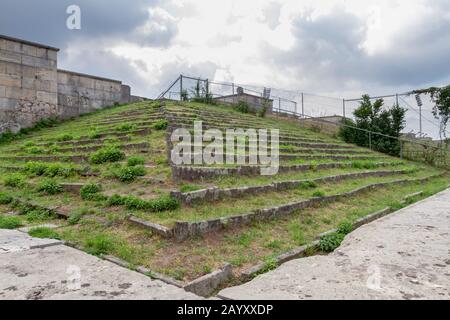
(420, 121)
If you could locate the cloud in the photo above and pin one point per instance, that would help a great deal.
(271, 14)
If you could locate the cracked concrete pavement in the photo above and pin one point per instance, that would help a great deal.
(403, 256)
(39, 269)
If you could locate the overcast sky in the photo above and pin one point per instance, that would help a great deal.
(334, 47)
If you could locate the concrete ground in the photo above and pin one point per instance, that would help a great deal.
(403, 256)
(45, 269)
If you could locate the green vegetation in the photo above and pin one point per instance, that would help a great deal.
(14, 181)
(50, 186)
(44, 233)
(10, 222)
(107, 154)
(91, 191)
(136, 161)
(161, 125)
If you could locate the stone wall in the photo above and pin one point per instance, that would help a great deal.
(28, 89)
(255, 102)
(32, 88)
(80, 93)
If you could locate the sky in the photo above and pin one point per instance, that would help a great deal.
(338, 48)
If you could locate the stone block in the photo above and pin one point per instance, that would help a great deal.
(87, 83)
(29, 50)
(41, 53)
(9, 56)
(207, 285)
(52, 55)
(37, 62)
(10, 81)
(51, 98)
(46, 74)
(2, 44)
(63, 78)
(13, 46)
(2, 91)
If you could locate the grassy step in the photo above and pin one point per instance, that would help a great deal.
(214, 194)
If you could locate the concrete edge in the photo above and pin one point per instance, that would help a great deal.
(207, 284)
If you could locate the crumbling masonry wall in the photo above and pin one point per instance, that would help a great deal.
(32, 88)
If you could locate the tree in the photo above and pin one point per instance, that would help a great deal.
(441, 110)
(372, 117)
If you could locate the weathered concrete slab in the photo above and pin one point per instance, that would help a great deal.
(402, 256)
(61, 272)
(15, 241)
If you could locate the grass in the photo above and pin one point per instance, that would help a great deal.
(10, 222)
(98, 215)
(44, 233)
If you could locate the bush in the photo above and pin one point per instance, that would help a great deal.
(242, 107)
(135, 161)
(14, 181)
(44, 233)
(10, 222)
(129, 174)
(90, 191)
(55, 169)
(64, 137)
(36, 150)
(345, 227)
(74, 218)
(115, 200)
(363, 165)
(107, 154)
(36, 215)
(161, 124)
(5, 199)
(94, 135)
(50, 187)
(36, 168)
(331, 241)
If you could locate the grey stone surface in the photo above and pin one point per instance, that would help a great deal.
(45, 225)
(206, 285)
(16, 241)
(402, 256)
(60, 272)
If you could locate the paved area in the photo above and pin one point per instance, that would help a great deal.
(45, 269)
(402, 256)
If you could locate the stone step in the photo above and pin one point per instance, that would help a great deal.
(215, 194)
(80, 142)
(194, 173)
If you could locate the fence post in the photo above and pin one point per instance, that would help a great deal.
(343, 107)
(232, 85)
(303, 106)
(279, 105)
(370, 140)
(181, 87)
(401, 149)
(396, 99)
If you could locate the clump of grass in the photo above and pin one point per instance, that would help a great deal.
(14, 181)
(345, 227)
(318, 194)
(5, 198)
(36, 150)
(269, 265)
(94, 134)
(189, 188)
(35, 215)
(50, 187)
(10, 222)
(125, 127)
(307, 185)
(49, 169)
(163, 203)
(91, 192)
(64, 137)
(129, 174)
(74, 218)
(135, 161)
(107, 154)
(363, 165)
(44, 233)
(161, 124)
(98, 244)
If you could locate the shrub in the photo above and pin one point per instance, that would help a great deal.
(50, 187)
(157, 205)
(129, 174)
(55, 169)
(36, 150)
(90, 191)
(5, 199)
(44, 233)
(64, 137)
(10, 222)
(345, 227)
(319, 194)
(164, 203)
(107, 154)
(363, 165)
(331, 241)
(242, 107)
(94, 135)
(36, 168)
(98, 244)
(161, 124)
(307, 185)
(135, 161)
(14, 181)
(115, 200)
